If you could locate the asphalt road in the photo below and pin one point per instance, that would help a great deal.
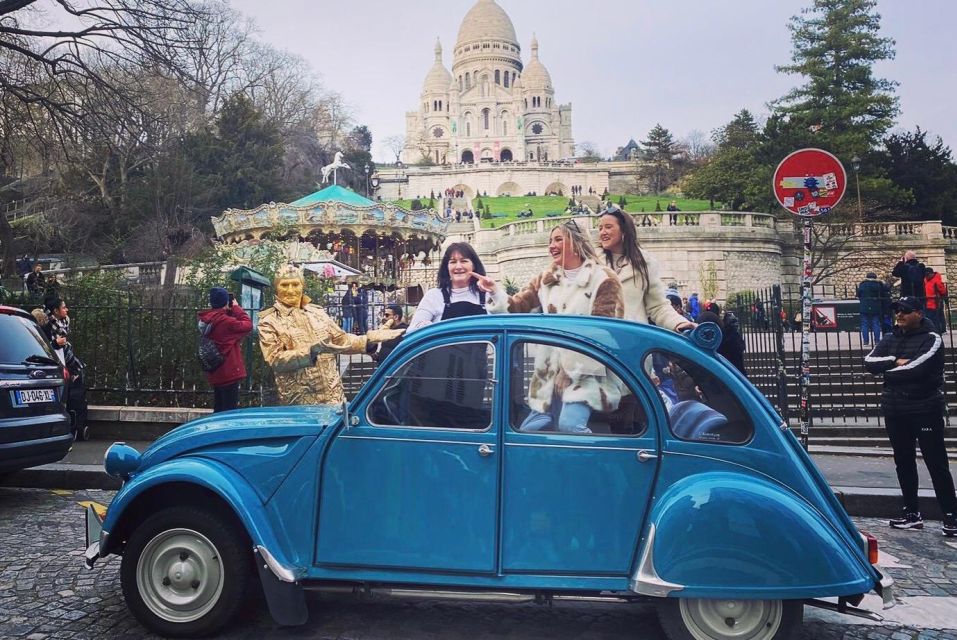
(45, 592)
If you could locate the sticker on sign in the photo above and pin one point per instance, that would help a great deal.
(809, 182)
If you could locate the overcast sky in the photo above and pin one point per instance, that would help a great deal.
(623, 64)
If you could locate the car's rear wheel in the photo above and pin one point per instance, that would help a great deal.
(186, 572)
(703, 619)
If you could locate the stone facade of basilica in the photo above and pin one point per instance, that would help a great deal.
(491, 107)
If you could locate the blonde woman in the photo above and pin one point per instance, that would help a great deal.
(566, 387)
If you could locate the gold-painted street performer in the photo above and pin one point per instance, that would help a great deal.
(300, 341)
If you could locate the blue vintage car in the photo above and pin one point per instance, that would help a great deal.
(503, 456)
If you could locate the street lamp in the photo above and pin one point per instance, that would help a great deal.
(367, 179)
(856, 163)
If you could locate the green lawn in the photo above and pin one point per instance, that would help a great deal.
(506, 209)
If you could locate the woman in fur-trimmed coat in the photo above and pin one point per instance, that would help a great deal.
(566, 387)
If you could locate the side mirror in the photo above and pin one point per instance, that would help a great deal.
(345, 414)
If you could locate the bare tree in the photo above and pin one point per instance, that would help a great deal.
(589, 150)
(697, 147)
(41, 62)
(395, 144)
(334, 119)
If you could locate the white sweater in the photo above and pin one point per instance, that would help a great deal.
(433, 305)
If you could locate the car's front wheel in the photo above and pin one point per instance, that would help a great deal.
(703, 619)
(186, 572)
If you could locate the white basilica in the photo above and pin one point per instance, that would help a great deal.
(491, 107)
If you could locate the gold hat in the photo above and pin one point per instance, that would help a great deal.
(289, 272)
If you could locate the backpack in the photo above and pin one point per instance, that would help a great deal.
(207, 352)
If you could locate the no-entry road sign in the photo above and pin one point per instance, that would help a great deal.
(809, 182)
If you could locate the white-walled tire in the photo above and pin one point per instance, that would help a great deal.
(186, 572)
(725, 619)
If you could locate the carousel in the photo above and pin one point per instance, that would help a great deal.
(375, 242)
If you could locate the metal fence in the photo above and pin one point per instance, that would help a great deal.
(841, 390)
(139, 348)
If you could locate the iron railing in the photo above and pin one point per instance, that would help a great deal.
(841, 390)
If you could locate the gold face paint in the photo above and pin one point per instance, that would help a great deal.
(289, 291)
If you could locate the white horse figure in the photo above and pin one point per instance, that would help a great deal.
(334, 166)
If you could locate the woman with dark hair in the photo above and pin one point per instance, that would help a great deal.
(641, 287)
(457, 294)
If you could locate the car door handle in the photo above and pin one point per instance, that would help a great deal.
(645, 456)
(485, 451)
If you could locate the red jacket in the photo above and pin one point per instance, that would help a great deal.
(934, 290)
(231, 325)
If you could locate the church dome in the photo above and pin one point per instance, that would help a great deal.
(486, 21)
(536, 76)
(439, 78)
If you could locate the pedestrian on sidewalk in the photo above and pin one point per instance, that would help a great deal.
(57, 329)
(870, 292)
(935, 292)
(228, 325)
(911, 358)
(911, 273)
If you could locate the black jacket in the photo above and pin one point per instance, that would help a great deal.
(916, 386)
(911, 274)
(871, 293)
(732, 346)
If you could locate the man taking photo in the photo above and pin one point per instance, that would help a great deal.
(912, 361)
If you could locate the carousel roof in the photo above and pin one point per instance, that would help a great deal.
(333, 193)
(333, 209)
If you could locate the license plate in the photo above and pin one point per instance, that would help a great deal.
(22, 397)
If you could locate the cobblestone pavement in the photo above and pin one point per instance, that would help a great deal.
(45, 592)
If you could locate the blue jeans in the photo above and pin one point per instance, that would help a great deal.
(347, 325)
(870, 323)
(572, 418)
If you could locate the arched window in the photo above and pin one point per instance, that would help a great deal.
(498, 77)
(485, 119)
(468, 81)
(468, 128)
(526, 103)
(505, 117)
(506, 78)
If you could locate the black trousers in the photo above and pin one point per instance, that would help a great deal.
(926, 430)
(226, 397)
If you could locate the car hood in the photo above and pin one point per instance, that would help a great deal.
(263, 423)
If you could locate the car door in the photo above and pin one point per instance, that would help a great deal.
(413, 483)
(573, 502)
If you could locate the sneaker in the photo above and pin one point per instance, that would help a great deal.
(908, 521)
(949, 528)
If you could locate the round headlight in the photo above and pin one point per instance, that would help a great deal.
(121, 460)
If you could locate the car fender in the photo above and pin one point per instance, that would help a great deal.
(725, 534)
(215, 477)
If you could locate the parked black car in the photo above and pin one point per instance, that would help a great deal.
(34, 424)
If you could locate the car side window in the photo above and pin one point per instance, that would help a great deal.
(700, 407)
(560, 390)
(448, 387)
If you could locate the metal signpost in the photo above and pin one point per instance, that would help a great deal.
(808, 183)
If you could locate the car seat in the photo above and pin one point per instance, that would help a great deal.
(693, 420)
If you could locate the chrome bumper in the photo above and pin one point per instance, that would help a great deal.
(885, 587)
(94, 535)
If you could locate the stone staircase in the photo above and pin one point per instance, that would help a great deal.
(592, 202)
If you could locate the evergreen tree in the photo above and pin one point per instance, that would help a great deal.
(659, 150)
(239, 162)
(924, 169)
(836, 43)
(736, 174)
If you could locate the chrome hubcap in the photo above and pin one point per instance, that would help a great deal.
(180, 575)
(731, 619)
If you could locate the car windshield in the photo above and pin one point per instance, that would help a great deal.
(20, 339)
